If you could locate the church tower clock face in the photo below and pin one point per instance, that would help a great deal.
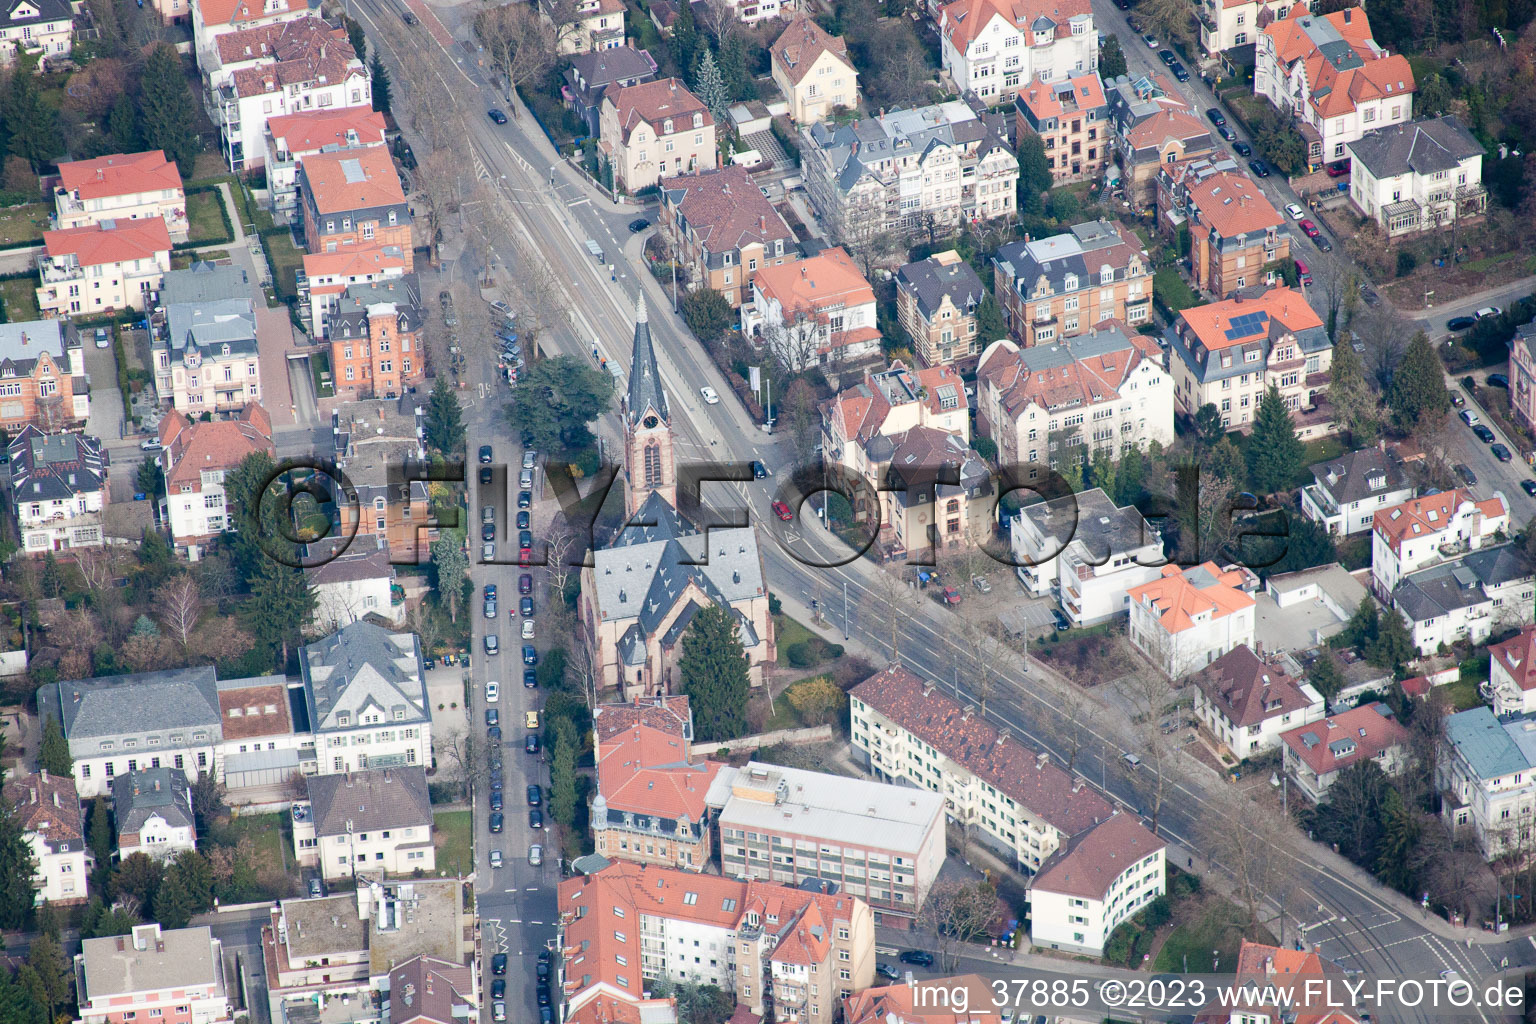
(651, 422)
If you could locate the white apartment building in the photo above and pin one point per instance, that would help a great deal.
(214, 18)
(367, 700)
(1346, 492)
(1487, 771)
(289, 138)
(1085, 552)
(175, 975)
(47, 808)
(1099, 879)
(1467, 599)
(1247, 702)
(994, 48)
(818, 311)
(1329, 74)
(1225, 24)
(939, 165)
(1013, 798)
(1421, 532)
(355, 584)
(1058, 404)
(153, 811)
(1184, 620)
(44, 28)
(194, 456)
(1512, 674)
(1417, 176)
(1315, 754)
(58, 489)
(369, 821)
(125, 186)
(111, 265)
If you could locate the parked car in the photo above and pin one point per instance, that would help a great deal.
(1498, 380)
(1484, 434)
(485, 474)
(525, 584)
(499, 986)
(1259, 168)
(1242, 149)
(1322, 243)
(1468, 417)
(1294, 211)
(531, 743)
(1309, 229)
(490, 607)
(499, 964)
(1457, 400)
(638, 225)
(524, 499)
(530, 654)
(316, 887)
(1487, 311)
(759, 471)
(535, 795)
(1150, 40)
(1465, 472)
(1217, 117)
(1167, 57)
(492, 692)
(498, 1012)
(531, 719)
(920, 957)
(498, 820)
(492, 644)
(782, 511)
(888, 972)
(1460, 323)
(1339, 169)
(487, 531)
(949, 595)
(103, 339)
(492, 717)
(535, 854)
(496, 799)
(535, 818)
(1179, 72)
(523, 519)
(1226, 133)
(530, 679)
(525, 607)
(493, 113)
(527, 629)
(1529, 487)
(1501, 453)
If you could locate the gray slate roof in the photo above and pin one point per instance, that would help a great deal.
(930, 281)
(645, 391)
(20, 344)
(1460, 583)
(596, 71)
(47, 11)
(1491, 748)
(1423, 147)
(139, 796)
(858, 148)
(54, 467)
(1353, 472)
(205, 282)
(1082, 251)
(1525, 335)
(403, 293)
(379, 798)
(144, 702)
(363, 667)
(211, 324)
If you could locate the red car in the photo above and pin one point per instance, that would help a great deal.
(782, 511)
(1339, 169)
(1309, 229)
(524, 555)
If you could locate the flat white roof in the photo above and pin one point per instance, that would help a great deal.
(840, 810)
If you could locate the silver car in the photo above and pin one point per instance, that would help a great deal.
(535, 855)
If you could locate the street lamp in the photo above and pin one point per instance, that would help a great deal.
(1428, 294)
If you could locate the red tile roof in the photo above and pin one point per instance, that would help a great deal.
(828, 279)
(646, 771)
(654, 103)
(1422, 517)
(962, 21)
(1232, 205)
(1517, 656)
(725, 209)
(232, 12)
(192, 447)
(1044, 101)
(110, 241)
(303, 52)
(1178, 600)
(1000, 759)
(334, 126)
(354, 179)
(354, 263)
(49, 806)
(1169, 123)
(1082, 382)
(801, 45)
(863, 409)
(1212, 323)
(667, 714)
(260, 710)
(1370, 727)
(122, 174)
(1246, 690)
(1088, 864)
(895, 1004)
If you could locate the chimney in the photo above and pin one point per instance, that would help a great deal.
(1041, 760)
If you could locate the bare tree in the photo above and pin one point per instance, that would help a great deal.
(1080, 712)
(1256, 847)
(522, 44)
(720, 19)
(99, 567)
(469, 758)
(424, 624)
(794, 342)
(1161, 766)
(181, 605)
(442, 179)
(956, 913)
(895, 600)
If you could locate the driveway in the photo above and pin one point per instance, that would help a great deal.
(106, 419)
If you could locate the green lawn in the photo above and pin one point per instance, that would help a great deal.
(789, 631)
(1463, 693)
(19, 298)
(205, 212)
(1172, 290)
(320, 362)
(454, 840)
(24, 223)
(286, 262)
(267, 831)
(1217, 928)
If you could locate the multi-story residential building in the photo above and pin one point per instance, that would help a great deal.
(1236, 236)
(1421, 532)
(1072, 119)
(194, 457)
(373, 821)
(1418, 176)
(367, 702)
(1100, 878)
(259, 747)
(1522, 375)
(353, 198)
(42, 376)
(375, 331)
(42, 28)
(653, 130)
(813, 70)
(1467, 598)
(58, 489)
(1487, 775)
(1086, 553)
(992, 48)
(1331, 77)
(289, 138)
(1184, 620)
(214, 18)
(814, 312)
(1315, 754)
(880, 843)
(585, 26)
(1153, 126)
(1227, 24)
(788, 954)
(113, 265)
(1012, 798)
(205, 345)
(438, 992)
(1347, 492)
(153, 811)
(650, 806)
(1061, 286)
(126, 186)
(1247, 701)
(176, 975)
(277, 69)
(590, 75)
(901, 1003)
(936, 492)
(1512, 674)
(936, 299)
(118, 724)
(351, 585)
(1229, 353)
(1058, 404)
(724, 229)
(327, 275)
(47, 809)
(939, 165)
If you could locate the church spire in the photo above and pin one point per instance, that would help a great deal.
(645, 394)
(648, 466)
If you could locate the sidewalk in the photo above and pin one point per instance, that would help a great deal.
(1524, 286)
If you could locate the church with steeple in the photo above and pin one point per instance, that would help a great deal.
(646, 584)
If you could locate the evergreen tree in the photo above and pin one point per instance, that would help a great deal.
(1111, 59)
(1326, 676)
(1101, 471)
(123, 125)
(16, 864)
(685, 37)
(450, 567)
(174, 905)
(280, 605)
(356, 36)
(710, 87)
(1275, 453)
(732, 59)
(1034, 174)
(445, 420)
(382, 91)
(713, 670)
(148, 478)
(52, 580)
(138, 877)
(16, 1002)
(1130, 477)
(53, 754)
(46, 957)
(99, 832)
(990, 325)
(257, 518)
(1394, 644)
(1353, 403)
(168, 112)
(1208, 427)
(1418, 393)
(36, 990)
(562, 774)
(30, 121)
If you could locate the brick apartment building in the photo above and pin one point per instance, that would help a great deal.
(353, 198)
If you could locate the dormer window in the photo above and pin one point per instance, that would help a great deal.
(666, 127)
(698, 120)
